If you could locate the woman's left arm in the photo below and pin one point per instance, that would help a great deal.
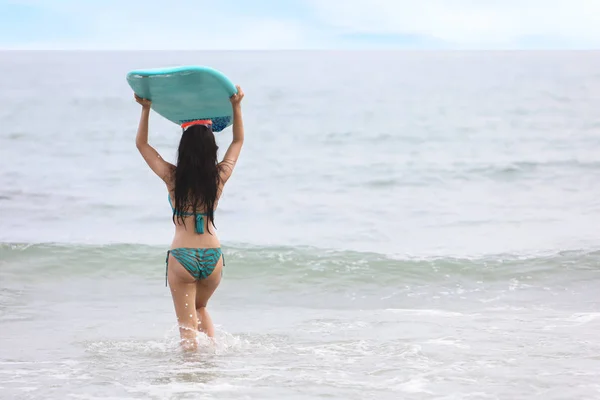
(156, 163)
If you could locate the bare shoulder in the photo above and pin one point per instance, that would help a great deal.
(225, 170)
(170, 177)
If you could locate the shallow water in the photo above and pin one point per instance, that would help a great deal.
(429, 231)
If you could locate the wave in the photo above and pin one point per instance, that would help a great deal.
(431, 175)
(287, 266)
(518, 168)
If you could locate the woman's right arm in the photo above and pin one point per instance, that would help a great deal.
(233, 152)
(160, 167)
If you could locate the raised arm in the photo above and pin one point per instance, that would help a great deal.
(233, 152)
(153, 159)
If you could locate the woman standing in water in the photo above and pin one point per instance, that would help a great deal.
(195, 184)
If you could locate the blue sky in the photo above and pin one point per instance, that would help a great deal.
(299, 24)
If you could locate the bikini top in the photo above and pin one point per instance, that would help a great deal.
(199, 217)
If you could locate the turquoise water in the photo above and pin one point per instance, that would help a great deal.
(400, 225)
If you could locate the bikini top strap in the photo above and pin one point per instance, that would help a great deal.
(199, 217)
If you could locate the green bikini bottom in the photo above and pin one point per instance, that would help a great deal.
(200, 263)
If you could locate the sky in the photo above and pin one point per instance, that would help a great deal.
(299, 24)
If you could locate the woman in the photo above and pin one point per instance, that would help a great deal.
(195, 184)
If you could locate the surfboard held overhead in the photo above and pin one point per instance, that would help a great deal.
(187, 93)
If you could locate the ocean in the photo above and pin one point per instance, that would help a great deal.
(419, 225)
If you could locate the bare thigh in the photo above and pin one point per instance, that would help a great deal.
(183, 291)
(206, 287)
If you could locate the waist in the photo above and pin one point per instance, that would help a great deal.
(189, 238)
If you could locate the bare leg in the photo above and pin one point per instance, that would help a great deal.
(183, 291)
(204, 289)
(205, 325)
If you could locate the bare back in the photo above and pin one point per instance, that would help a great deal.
(185, 233)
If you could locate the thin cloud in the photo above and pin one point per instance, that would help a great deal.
(203, 24)
(465, 23)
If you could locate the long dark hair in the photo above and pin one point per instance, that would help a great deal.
(197, 176)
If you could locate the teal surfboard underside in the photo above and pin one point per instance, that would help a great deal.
(182, 94)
